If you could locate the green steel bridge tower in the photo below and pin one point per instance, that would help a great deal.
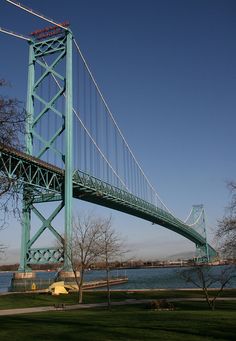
(59, 48)
(49, 171)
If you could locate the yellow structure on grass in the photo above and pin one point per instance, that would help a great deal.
(58, 288)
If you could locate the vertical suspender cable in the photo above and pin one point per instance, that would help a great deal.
(85, 130)
(48, 116)
(90, 128)
(85, 119)
(113, 120)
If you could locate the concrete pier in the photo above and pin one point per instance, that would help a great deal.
(67, 276)
(24, 275)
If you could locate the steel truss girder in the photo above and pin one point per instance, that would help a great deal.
(49, 46)
(94, 190)
(34, 174)
(45, 255)
(88, 188)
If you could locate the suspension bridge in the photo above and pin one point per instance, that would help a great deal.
(75, 149)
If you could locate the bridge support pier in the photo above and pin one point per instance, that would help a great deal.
(68, 275)
(24, 275)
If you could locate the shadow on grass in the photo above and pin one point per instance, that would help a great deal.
(124, 323)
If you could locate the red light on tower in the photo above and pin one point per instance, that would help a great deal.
(50, 31)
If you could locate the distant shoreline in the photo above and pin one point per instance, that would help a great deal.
(166, 266)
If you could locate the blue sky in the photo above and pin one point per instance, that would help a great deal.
(167, 69)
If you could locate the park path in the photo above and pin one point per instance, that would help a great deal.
(5, 312)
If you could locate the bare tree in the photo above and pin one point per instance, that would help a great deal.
(226, 232)
(12, 129)
(206, 277)
(85, 246)
(12, 120)
(112, 247)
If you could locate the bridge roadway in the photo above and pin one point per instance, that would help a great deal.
(47, 181)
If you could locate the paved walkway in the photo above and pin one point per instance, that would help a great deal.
(5, 312)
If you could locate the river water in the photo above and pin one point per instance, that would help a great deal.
(148, 278)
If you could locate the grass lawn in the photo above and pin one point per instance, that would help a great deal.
(35, 300)
(190, 321)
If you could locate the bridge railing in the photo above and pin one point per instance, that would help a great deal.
(103, 189)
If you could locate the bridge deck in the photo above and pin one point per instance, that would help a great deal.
(50, 179)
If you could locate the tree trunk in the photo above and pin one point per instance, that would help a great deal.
(209, 302)
(81, 281)
(108, 287)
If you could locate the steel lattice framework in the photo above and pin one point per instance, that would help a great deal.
(88, 188)
(59, 49)
(42, 183)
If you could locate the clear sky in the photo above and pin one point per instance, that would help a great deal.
(168, 71)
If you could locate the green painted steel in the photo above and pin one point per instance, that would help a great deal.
(40, 184)
(88, 188)
(68, 156)
(30, 101)
(45, 255)
(25, 234)
(26, 213)
(55, 47)
(36, 174)
(203, 253)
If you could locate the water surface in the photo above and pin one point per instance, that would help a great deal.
(148, 278)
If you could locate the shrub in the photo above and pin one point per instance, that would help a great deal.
(160, 305)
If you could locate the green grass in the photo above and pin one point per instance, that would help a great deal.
(189, 322)
(35, 300)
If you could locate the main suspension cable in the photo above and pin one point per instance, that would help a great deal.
(14, 34)
(37, 14)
